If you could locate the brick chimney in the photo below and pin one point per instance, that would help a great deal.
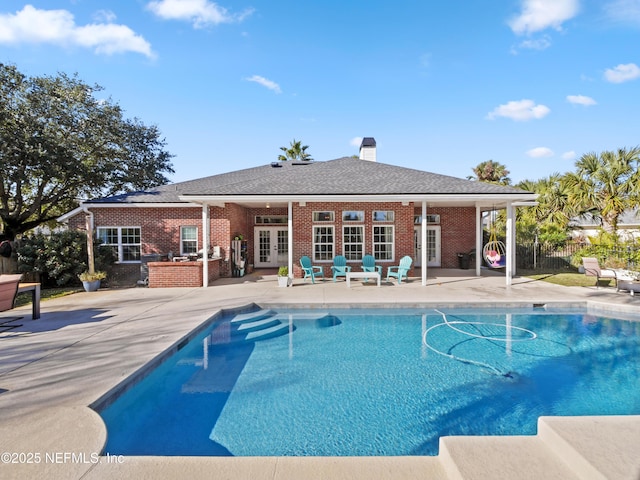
(368, 149)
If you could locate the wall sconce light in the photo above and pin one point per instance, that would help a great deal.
(268, 205)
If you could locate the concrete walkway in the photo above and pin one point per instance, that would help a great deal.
(86, 344)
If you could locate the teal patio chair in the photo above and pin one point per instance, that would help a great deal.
(369, 265)
(401, 270)
(340, 267)
(309, 270)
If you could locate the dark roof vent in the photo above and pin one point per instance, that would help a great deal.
(276, 164)
(300, 163)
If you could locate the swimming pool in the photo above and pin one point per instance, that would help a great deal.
(375, 382)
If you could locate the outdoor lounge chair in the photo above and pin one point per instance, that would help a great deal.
(401, 270)
(592, 269)
(8, 291)
(369, 265)
(309, 270)
(340, 267)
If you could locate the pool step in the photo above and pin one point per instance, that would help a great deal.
(301, 316)
(257, 325)
(254, 326)
(265, 333)
(251, 316)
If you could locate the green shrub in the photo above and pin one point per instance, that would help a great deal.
(60, 257)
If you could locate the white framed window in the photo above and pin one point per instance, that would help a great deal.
(323, 242)
(353, 241)
(383, 242)
(383, 215)
(431, 219)
(352, 216)
(188, 240)
(323, 216)
(271, 219)
(125, 241)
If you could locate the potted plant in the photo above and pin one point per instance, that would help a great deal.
(91, 280)
(283, 277)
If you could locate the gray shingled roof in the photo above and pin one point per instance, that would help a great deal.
(343, 176)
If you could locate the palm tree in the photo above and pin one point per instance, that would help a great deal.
(296, 152)
(605, 185)
(492, 172)
(549, 218)
(552, 202)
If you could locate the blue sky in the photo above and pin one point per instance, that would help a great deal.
(441, 85)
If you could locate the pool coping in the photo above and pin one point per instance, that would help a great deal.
(71, 424)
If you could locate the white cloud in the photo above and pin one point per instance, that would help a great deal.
(102, 16)
(538, 15)
(265, 82)
(541, 43)
(356, 142)
(623, 11)
(622, 73)
(540, 152)
(201, 13)
(520, 110)
(570, 155)
(581, 100)
(31, 25)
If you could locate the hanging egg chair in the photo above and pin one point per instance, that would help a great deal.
(494, 252)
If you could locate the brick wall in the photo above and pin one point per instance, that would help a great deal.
(180, 274)
(303, 230)
(160, 229)
(458, 232)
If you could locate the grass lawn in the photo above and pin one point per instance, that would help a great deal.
(568, 279)
(46, 294)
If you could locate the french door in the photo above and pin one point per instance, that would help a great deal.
(433, 245)
(271, 247)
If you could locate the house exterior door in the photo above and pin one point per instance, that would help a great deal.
(271, 247)
(433, 246)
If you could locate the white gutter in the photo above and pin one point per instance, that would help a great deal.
(63, 218)
(83, 206)
(142, 205)
(487, 200)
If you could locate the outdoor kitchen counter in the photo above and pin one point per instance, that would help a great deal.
(181, 274)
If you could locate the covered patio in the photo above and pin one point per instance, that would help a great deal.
(481, 204)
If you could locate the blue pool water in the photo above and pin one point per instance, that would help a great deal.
(376, 382)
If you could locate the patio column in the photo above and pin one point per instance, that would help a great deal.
(509, 267)
(290, 237)
(206, 240)
(513, 240)
(478, 240)
(423, 240)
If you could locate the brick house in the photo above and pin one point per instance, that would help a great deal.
(271, 215)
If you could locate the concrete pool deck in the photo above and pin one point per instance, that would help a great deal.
(86, 344)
